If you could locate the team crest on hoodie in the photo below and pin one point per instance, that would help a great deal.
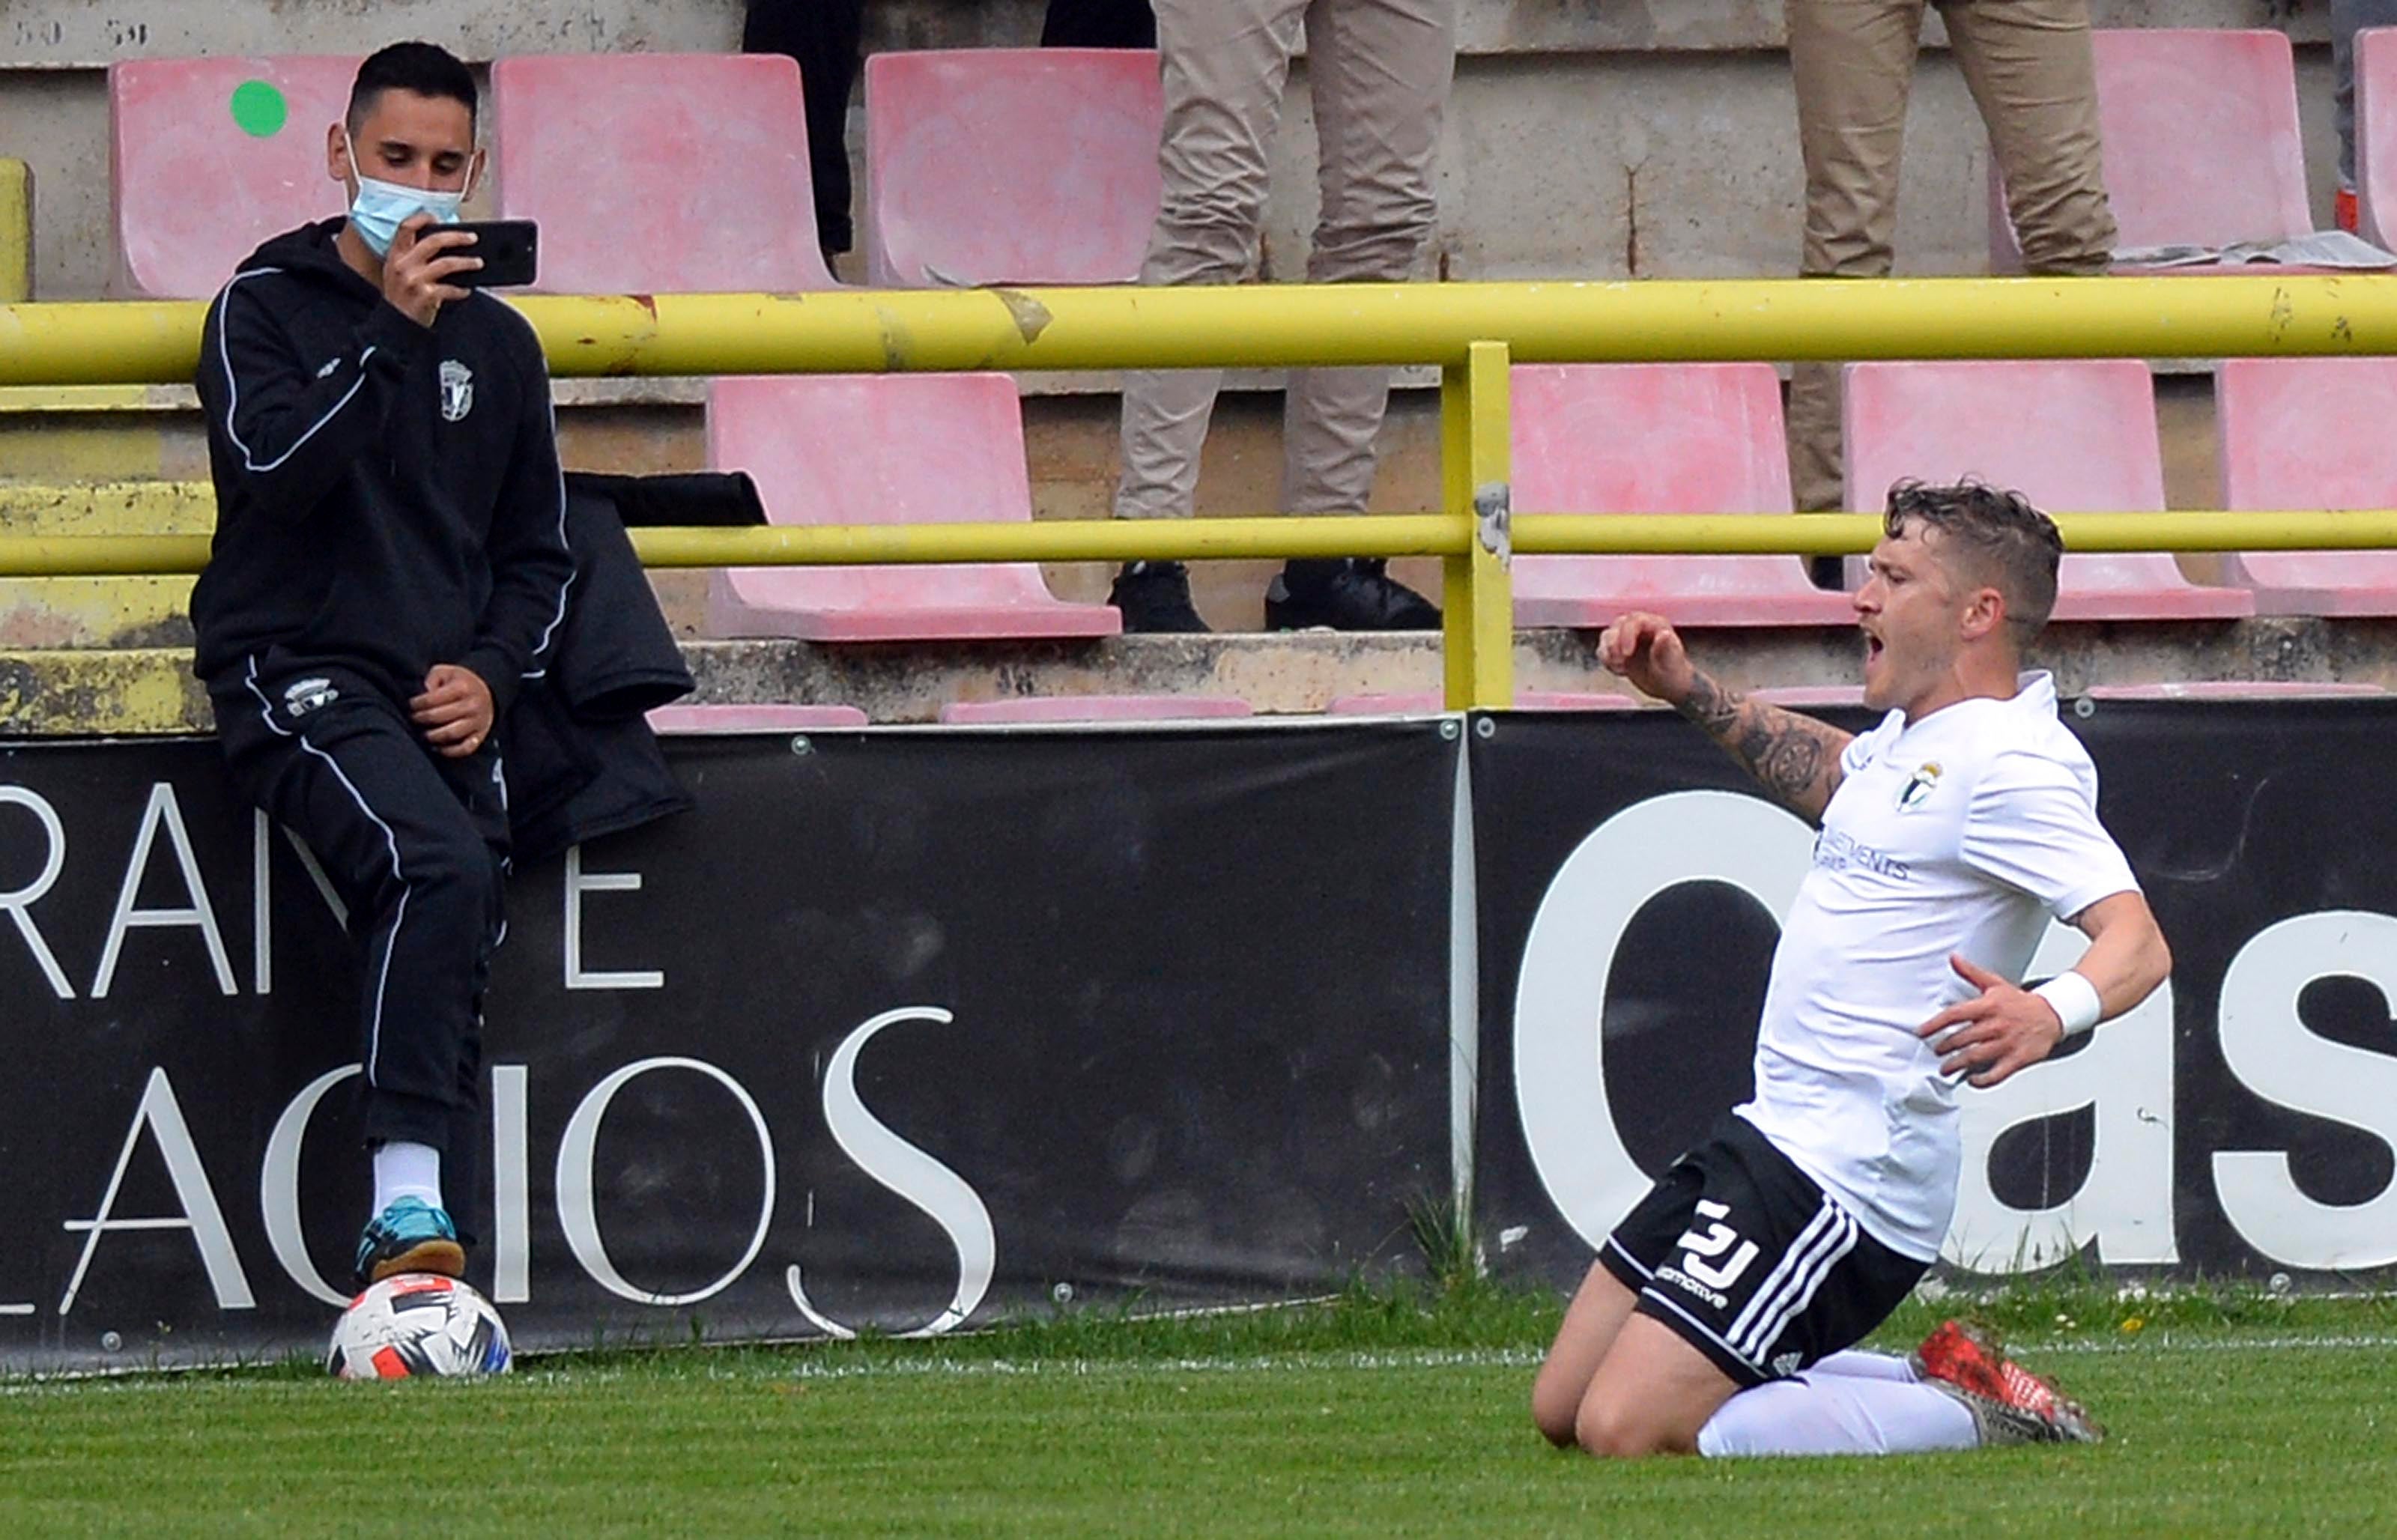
(457, 390)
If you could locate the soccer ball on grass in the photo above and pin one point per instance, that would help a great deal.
(418, 1325)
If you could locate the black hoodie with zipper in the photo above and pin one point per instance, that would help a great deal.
(388, 494)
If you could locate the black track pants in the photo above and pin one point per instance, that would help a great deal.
(416, 845)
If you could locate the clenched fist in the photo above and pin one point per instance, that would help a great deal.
(455, 711)
(1645, 649)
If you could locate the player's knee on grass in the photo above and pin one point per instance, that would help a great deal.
(1608, 1429)
(1556, 1404)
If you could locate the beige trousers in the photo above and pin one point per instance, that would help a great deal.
(1379, 70)
(2028, 67)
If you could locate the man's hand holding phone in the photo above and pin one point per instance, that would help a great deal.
(416, 275)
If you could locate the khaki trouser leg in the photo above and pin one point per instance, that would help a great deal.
(1225, 63)
(1853, 63)
(2029, 65)
(1379, 73)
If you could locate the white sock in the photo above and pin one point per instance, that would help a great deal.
(1855, 1363)
(1837, 1414)
(403, 1170)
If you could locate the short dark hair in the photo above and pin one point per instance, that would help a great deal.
(2000, 538)
(426, 69)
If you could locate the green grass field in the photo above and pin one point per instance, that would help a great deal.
(1377, 1414)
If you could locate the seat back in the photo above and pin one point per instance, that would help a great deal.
(2375, 135)
(1656, 438)
(2200, 141)
(1034, 710)
(1060, 186)
(884, 449)
(658, 173)
(2305, 433)
(2072, 435)
(211, 156)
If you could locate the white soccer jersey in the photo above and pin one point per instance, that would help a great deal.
(1960, 833)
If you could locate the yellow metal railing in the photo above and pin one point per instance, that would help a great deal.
(1474, 332)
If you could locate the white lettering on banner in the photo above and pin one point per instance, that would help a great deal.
(941, 1193)
(261, 891)
(278, 1186)
(1560, 1053)
(163, 1116)
(19, 903)
(163, 810)
(2269, 1050)
(2125, 1075)
(578, 884)
(511, 1186)
(578, 1210)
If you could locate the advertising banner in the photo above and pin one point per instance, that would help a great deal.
(1630, 880)
(898, 1030)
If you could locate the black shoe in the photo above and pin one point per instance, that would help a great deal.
(1346, 595)
(1155, 597)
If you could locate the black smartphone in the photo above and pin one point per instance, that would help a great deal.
(510, 249)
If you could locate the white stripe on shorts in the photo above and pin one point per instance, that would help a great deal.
(1826, 1219)
(1804, 1286)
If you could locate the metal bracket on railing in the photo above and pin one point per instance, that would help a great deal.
(1493, 513)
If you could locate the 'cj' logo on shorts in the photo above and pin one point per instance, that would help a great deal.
(1700, 1249)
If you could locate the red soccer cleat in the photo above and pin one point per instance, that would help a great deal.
(2009, 1403)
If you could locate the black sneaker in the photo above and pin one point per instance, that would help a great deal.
(1155, 597)
(1346, 595)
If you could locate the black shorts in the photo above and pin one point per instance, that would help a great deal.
(1752, 1263)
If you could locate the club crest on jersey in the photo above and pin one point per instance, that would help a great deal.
(457, 390)
(309, 695)
(1918, 787)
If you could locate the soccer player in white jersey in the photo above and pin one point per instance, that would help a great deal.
(1721, 1314)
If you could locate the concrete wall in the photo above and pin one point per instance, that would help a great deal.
(1587, 138)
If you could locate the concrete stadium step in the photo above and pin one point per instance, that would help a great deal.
(108, 508)
(101, 612)
(95, 612)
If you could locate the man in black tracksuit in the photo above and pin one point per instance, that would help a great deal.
(390, 564)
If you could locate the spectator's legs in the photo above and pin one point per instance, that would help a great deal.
(1852, 61)
(1099, 24)
(2346, 18)
(1379, 73)
(1225, 63)
(2029, 65)
(823, 35)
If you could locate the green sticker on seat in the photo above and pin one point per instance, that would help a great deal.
(258, 109)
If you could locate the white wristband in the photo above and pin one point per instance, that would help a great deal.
(2075, 999)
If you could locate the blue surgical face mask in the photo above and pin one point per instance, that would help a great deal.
(381, 207)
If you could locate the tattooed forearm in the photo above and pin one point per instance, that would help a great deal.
(1795, 757)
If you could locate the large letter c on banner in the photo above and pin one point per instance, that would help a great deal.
(1560, 1064)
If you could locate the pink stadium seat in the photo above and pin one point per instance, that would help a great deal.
(1021, 709)
(884, 449)
(2311, 432)
(1418, 702)
(2202, 144)
(1010, 165)
(1809, 697)
(209, 156)
(2073, 437)
(772, 717)
(2375, 135)
(2235, 690)
(1657, 438)
(658, 173)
